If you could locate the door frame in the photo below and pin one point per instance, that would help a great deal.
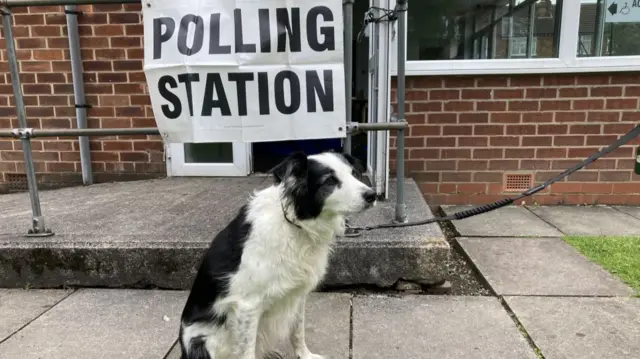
(177, 166)
(379, 99)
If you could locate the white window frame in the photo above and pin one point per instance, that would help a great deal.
(566, 62)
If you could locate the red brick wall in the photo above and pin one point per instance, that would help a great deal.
(467, 132)
(111, 43)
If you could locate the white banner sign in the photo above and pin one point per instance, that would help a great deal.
(245, 70)
(622, 11)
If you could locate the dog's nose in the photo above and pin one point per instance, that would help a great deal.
(369, 196)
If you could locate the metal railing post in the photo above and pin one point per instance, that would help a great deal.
(401, 208)
(78, 91)
(38, 227)
(347, 6)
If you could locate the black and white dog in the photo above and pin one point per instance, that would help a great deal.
(252, 285)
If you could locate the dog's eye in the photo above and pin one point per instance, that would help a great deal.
(331, 180)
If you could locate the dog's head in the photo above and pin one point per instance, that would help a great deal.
(325, 183)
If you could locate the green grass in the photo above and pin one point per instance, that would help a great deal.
(618, 255)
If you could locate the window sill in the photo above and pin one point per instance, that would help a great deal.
(519, 66)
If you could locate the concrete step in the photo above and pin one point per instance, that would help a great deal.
(153, 234)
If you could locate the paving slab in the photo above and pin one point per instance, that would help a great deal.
(589, 220)
(327, 327)
(102, 323)
(630, 210)
(539, 266)
(19, 307)
(435, 327)
(152, 233)
(510, 221)
(581, 328)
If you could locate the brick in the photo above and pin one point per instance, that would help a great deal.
(625, 78)
(41, 54)
(93, 19)
(504, 141)
(551, 153)
(125, 41)
(508, 94)
(552, 129)
(55, 123)
(108, 30)
(632, 91)
(524, 106)
(555, 105)
(455, 153)
(487, 177)
(521, 129)
(473, 118)
(493, 81)
(441, 118)
(581, 152)
(456, 82)
(495, 165)
(476, 94)
(473, 165)
(597, 187)
(457, 130)
(425, 153)
(488, 153)
(411, 118)
(127, 65)
(561, 164)
(585, 129)
(456, 106)
(505, 117)
(31, 19)
(491, 106)
(473, 141)
(35, 66)
(622, 104)
(50, 78)
(590, 104)
(603, 116)
(626, 188)
(124, 18)
(537, 117)
(36, 89)
(570, 116)
(441, 142)
(519, 153)
(559, 80)
(525, 80)
(426, 107)
(455, 176)
(112, 77)
(98, 65)
(601, 164)
(541, 93)
(534, 164)
(444, 95)
(536, 141)
(568, 140)
(488, 130)
(134, 30)
(593, 79)
(574, 92)
(115, 123)
(424, 82)
(137, 54)
(620, 129)
(422, 130)
(606, 91)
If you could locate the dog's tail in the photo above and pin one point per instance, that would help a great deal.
(197, 350)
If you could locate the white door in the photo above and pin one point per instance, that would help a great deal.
(209, 159)
(379, 97)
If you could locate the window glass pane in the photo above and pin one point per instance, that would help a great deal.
(208, 152)
(483, 29)
(609, 28)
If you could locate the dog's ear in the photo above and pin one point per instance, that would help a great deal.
(355, 163)
(296, 165)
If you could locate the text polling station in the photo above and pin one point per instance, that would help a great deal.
(245, 70)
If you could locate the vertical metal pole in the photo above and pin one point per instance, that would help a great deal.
(401, 8)
(347, 6)
(37, 222)
(78, 91)
(599, 38)
(531, 30)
